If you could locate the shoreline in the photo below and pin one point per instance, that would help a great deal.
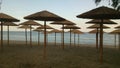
(20, 42)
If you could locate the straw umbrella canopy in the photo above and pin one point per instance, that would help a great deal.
(5, 18)
(116, 32)
(77, 32)
(30, 23)
(95, 31)
(38, 30)
(66, 22)
(47, 27)
(25, 27)
(44, 16)
(42, 27)
(117, 27)
(55, 31)
(96, 26)
(71, 27)
(101, 13)
(8, 24)
(98, 21)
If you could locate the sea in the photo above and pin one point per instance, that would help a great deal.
(86, 38)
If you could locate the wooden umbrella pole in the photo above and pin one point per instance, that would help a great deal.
(26, 35)
(115, 41)
(55, 38)
(97, 39)
(78, 39)
(74, 39)
(38, 38)
(30, 36)
(1, 36)
(119, 41)
(8, 35)
(101, 41)
(70, 37)
(45, 41)
(63, 37)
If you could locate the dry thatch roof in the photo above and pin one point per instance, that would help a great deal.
(7, 18)
(118, 26)
(42, 27)
(30, 22)
(115, 32)
(94, 31)
(55, 31)
(25, 27)
(76, 31)
(44, 16)
(101, 13)
(38, 30)
(66, 22)
(97, 26)
(70, 27)
(98, 21)
(9, 24)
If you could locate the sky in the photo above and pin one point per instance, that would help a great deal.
(67, 9)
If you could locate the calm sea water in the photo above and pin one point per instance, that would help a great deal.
(84, 38)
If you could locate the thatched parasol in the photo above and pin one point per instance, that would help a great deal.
(5, 18)
(25, 27)
(44, 16)
(71, 27)
(9, 24)
(76, 31)
(116, 32)
(117, 27)
(55, 31)
(96, 26)
(94, 31)
(101, 13)
(38, 30)
(42, 27)
(66, 22)
(30, 23)
(47, 27)
(98, 21)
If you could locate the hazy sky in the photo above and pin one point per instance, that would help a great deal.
(67, 9)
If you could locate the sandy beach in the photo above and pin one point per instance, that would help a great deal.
(19, 55)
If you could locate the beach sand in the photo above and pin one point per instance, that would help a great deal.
(19, 55)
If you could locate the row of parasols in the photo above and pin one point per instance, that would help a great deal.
(74, 30)
(100, 15)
